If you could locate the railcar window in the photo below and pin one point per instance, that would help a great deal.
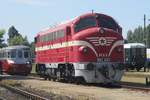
(85, 23)
(26, 54)
(13, 53)
(19, 54)
(8, 54)
(106, 22)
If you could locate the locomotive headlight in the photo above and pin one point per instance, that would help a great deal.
(83, 49)
(11, 62)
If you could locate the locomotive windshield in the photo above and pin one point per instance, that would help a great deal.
(84, 23)
(107, 22)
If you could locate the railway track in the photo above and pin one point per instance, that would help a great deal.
(135, 87)
(1, 98)
(126, 85)
(30, 96)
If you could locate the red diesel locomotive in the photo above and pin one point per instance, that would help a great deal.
(16, 60)
(88, 48)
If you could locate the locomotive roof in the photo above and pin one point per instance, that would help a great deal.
(15, 47)
(68, 22)
(134, 45)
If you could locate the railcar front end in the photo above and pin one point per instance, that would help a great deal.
(16, 60)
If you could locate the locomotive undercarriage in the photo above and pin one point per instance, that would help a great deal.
(82, 72)
(64, 72)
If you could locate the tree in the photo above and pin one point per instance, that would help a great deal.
(130, 36)
(15, 38)
(25, 41)
(2, 32)
(12, 32)
(148, 35)
(139, 35)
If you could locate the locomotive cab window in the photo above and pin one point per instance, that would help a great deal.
(107, 22)
(84, 23)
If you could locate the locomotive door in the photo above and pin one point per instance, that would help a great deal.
(67, 36)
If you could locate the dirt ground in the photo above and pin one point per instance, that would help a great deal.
(80, 92)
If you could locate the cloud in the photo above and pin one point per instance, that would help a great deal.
(33, 2)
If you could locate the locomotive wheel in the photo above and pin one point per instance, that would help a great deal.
(45, 77)
(49, 78)
(79, 80)
(54, 79)
(138, 69)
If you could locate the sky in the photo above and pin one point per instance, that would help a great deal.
(31, 16)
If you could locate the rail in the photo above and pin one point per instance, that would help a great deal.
(26, 94)
(1, 98)
(144, 89)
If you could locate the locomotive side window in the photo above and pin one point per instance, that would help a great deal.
(85, 23)
(52, 36)
(19, 54)
(106, 22)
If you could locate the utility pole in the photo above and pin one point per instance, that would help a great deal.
(144, 35)
(145, 40)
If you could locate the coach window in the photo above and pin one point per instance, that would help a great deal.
(19, 54)
(127, 54)
(85, 23)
